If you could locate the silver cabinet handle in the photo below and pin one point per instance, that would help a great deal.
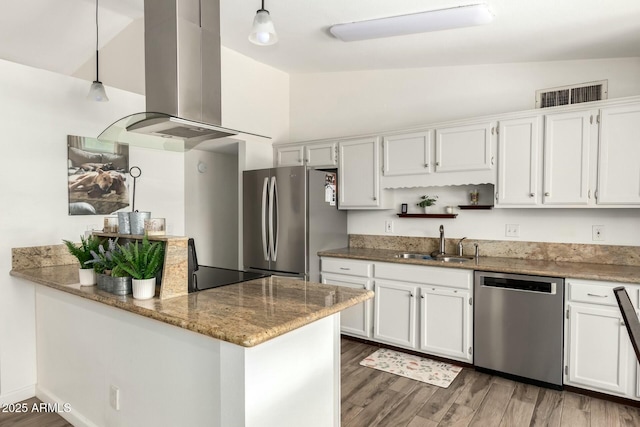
(422, 296)
(375, 198)
(622, 324)
(532, 195)
(437, 163)
(491, 160)
(344, 268)
(411, 294)
(547, 194)
(426, 165)
(599, 296)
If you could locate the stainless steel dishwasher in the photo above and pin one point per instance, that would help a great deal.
(518, 326)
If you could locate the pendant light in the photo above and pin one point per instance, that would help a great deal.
(263, 33)
(97, 92)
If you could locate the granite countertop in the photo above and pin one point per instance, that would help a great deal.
(577, 270)
(246, 314)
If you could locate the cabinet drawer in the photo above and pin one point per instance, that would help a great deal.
(451, 277)
(598, 292)
(347, 266)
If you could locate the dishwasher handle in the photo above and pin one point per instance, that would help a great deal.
(519, 284)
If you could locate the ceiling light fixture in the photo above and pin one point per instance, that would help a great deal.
(434, 20)
(97, 92)
(263, 33)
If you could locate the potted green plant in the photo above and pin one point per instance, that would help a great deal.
(83, 253)
(142, 261)
(110, 277)
(426, 202)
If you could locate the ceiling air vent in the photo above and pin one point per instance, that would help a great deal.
(574, 94)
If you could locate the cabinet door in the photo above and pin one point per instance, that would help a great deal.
(395, 313)
(321, 154)
(519, 144)
(619, 156)
(598, 348)
(289, 156)
(359, 173)
(463, 148)
(445, 323)
(355, 320)
(567, 141)
(408, 154)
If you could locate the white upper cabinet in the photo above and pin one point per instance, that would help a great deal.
(408, 154)
(619, 156)
(291, 155)
(567, 148)
(519, 152)
(464, 148)
(324, 154)
(359, 173)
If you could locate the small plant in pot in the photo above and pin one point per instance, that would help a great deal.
(142, 261)
(426, 202)
(83, 253)
(110, 277)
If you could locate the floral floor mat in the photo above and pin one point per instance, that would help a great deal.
(417, 368)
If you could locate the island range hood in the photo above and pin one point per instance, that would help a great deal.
(182, 78)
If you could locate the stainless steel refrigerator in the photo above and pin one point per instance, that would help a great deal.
(289, 214)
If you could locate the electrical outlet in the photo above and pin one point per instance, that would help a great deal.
(388, 226)
(597, 233)
(114, 397)
(512, 230)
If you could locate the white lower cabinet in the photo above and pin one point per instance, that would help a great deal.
(445, 319)
(422, 308)
(599, 355)
(354, 320)
(395, 313)
(598, 349)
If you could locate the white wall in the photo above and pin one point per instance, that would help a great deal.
(255, 97)
(344, 104)
(327, 105)
(212, 207)
(121, 60)
(39, 109)
(622, 226)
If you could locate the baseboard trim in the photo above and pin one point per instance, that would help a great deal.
(73, 416)
(18, 395)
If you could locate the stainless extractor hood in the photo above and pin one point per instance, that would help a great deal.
(182, 77)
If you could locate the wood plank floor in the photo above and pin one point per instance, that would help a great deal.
(375, 398)
(32, 419)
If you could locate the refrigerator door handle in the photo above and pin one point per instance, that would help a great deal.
(265, 249)
(273, 219)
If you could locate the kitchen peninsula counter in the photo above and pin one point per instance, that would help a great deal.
(246, 314)
(577, 270)
(261, 353)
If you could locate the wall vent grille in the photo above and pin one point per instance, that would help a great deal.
(574, 94)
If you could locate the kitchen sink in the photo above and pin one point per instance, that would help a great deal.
(443, 258)
(449, 258)
(413, 256)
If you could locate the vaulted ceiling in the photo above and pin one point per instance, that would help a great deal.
(59, 35)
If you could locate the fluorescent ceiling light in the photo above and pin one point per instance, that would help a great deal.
(434, 20)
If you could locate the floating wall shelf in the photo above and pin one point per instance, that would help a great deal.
(427, 215)
(476, 207)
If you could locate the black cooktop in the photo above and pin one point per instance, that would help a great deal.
(212, 277)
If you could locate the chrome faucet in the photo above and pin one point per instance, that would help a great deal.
(460, 246)
(441, 251)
